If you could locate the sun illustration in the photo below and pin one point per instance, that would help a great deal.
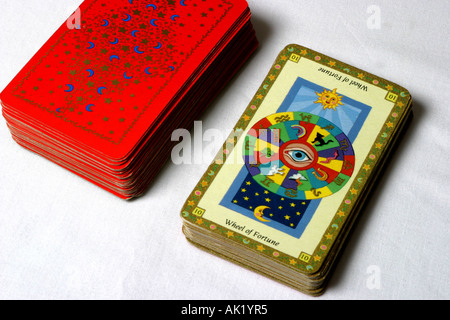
(329, 99)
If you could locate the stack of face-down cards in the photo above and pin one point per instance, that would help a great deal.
(282, 195)
(103, 95)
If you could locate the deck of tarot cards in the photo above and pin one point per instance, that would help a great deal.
(103, 95)
(283, 193)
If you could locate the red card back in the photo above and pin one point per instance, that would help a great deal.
(103, 84)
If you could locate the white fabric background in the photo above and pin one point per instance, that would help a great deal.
(63, 238)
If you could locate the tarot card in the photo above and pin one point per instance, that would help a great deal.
(107, 82)
(103, 96)
(293, 174)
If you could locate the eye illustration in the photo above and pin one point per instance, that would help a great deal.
(298, 155)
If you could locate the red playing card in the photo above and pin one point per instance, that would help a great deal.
(102, 99)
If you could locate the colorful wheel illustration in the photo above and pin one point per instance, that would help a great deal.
(298, 155)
